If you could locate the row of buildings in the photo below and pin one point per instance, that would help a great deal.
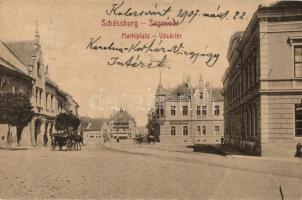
(22, 70)
(259, 108)
(263, 83)
(119, 125)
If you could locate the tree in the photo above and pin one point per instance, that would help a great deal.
(66, 120)
(153, 127)
(16, 110)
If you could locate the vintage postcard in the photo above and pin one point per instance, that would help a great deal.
(150, 99)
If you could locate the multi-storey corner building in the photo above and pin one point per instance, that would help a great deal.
(189, 115)
(263, 83)
(23, 70)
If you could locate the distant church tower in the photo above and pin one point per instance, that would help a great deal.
(160, 93)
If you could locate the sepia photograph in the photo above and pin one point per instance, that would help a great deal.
(151, 99)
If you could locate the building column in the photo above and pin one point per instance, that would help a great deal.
(49, 130)
(32, 131)
(41, 134)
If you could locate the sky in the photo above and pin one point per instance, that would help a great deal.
(66, 28)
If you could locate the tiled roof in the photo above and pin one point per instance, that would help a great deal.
(168, 90)
(121, 115)
(182, 89)
(217, 94)
(21, 54)
(181, 92)
(59, 90)
(51, 82)
(25, 51)
(174, 93)
(88, 123)
(9, 60)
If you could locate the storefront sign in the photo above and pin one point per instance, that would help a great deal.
(177, 122)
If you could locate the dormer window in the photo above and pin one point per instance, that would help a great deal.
(39, 69)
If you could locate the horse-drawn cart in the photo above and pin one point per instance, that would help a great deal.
(147, 139)
(71, 141)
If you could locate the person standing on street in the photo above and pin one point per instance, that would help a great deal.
(45, 140)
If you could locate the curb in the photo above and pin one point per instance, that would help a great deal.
(293, 169)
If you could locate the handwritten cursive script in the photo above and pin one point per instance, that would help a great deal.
(117, 9)
(154, 47)
(135, 61)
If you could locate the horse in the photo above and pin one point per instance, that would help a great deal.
(150, 138)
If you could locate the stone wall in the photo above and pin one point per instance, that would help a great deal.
(278, 124)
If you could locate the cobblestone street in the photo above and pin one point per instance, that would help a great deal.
(100, 173)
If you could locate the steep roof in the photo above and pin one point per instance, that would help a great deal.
(160, 90)
(121, 115)
(183, 92)
(91, 124)
(217, 94)
(25, 51)
(182, 89)
(50, 82)
(22, 54)
(10, 61)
